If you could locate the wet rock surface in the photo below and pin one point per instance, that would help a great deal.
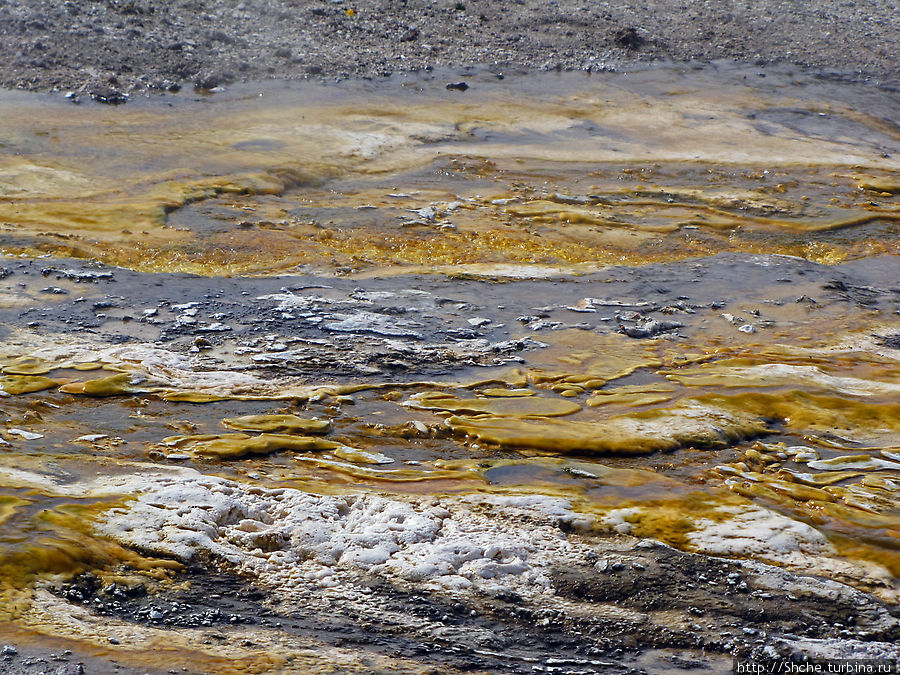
(334, 327)
(27, 660)
(619, 606)
(112, 50)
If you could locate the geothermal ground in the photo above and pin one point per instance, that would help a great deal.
(327, 366)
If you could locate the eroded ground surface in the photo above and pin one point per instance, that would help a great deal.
(116, 49)
(291, 386)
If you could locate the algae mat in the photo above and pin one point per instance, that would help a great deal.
(560, 171)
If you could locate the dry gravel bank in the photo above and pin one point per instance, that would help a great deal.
(115, 47)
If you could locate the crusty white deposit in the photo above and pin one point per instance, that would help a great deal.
(285, 536)
(288, 539)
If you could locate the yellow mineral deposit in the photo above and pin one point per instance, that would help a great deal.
(87, 365)
(590, 360)
(113, 385)
(887, 185)
(236, 446)
(507, 393)
(8, 506)
(192, 397)
(732, 373)
(24, 384)
(516, 406)
(851, 496)
(280, 423)
(40, 542)
(359, 469)
(688, 424)
(633, 396)
(361, 456)
(799, 411)
(26, 366)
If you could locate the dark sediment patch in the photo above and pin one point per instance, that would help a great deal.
(651, 604)
(333, 328)
(730, 603)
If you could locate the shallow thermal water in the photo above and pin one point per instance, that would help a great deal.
(556, 170)
(401, 372)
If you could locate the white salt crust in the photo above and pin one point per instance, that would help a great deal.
(285, 536)
(756, 533)
(288, 539)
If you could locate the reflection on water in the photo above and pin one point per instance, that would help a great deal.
(767, 430)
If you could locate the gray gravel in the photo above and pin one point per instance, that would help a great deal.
(116, 47)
